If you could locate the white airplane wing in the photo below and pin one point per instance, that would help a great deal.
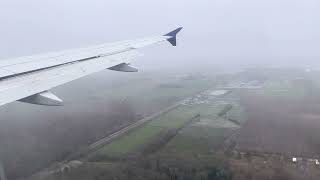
(29, 79)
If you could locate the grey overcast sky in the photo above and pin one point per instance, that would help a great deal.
(240, 32)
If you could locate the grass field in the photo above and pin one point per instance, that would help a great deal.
(155, 93)
(201, 138)
(196, 140)
(131, 141)
(175, 118)
(193, 139)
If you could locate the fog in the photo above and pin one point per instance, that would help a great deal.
(229, 33)
(244, 33)
(217, 34)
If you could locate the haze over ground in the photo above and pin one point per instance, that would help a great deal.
(230, 33)
(226, 32)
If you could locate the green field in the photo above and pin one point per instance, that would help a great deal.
(191, 138)
(131, 141)
(174, 119)
(160, 90)
(205, 139)
(137, 137)
(196, 141)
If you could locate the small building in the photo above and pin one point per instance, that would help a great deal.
(219, 92)
(294, 160)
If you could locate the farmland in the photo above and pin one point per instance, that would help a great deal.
(209, 127)
(136, 138)
(245, 133)
(192, 132)
(94, 109)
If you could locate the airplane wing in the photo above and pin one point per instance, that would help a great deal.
(29, 79)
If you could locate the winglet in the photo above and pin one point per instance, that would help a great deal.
(173, 36)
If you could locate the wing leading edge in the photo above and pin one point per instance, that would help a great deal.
(29, 79)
